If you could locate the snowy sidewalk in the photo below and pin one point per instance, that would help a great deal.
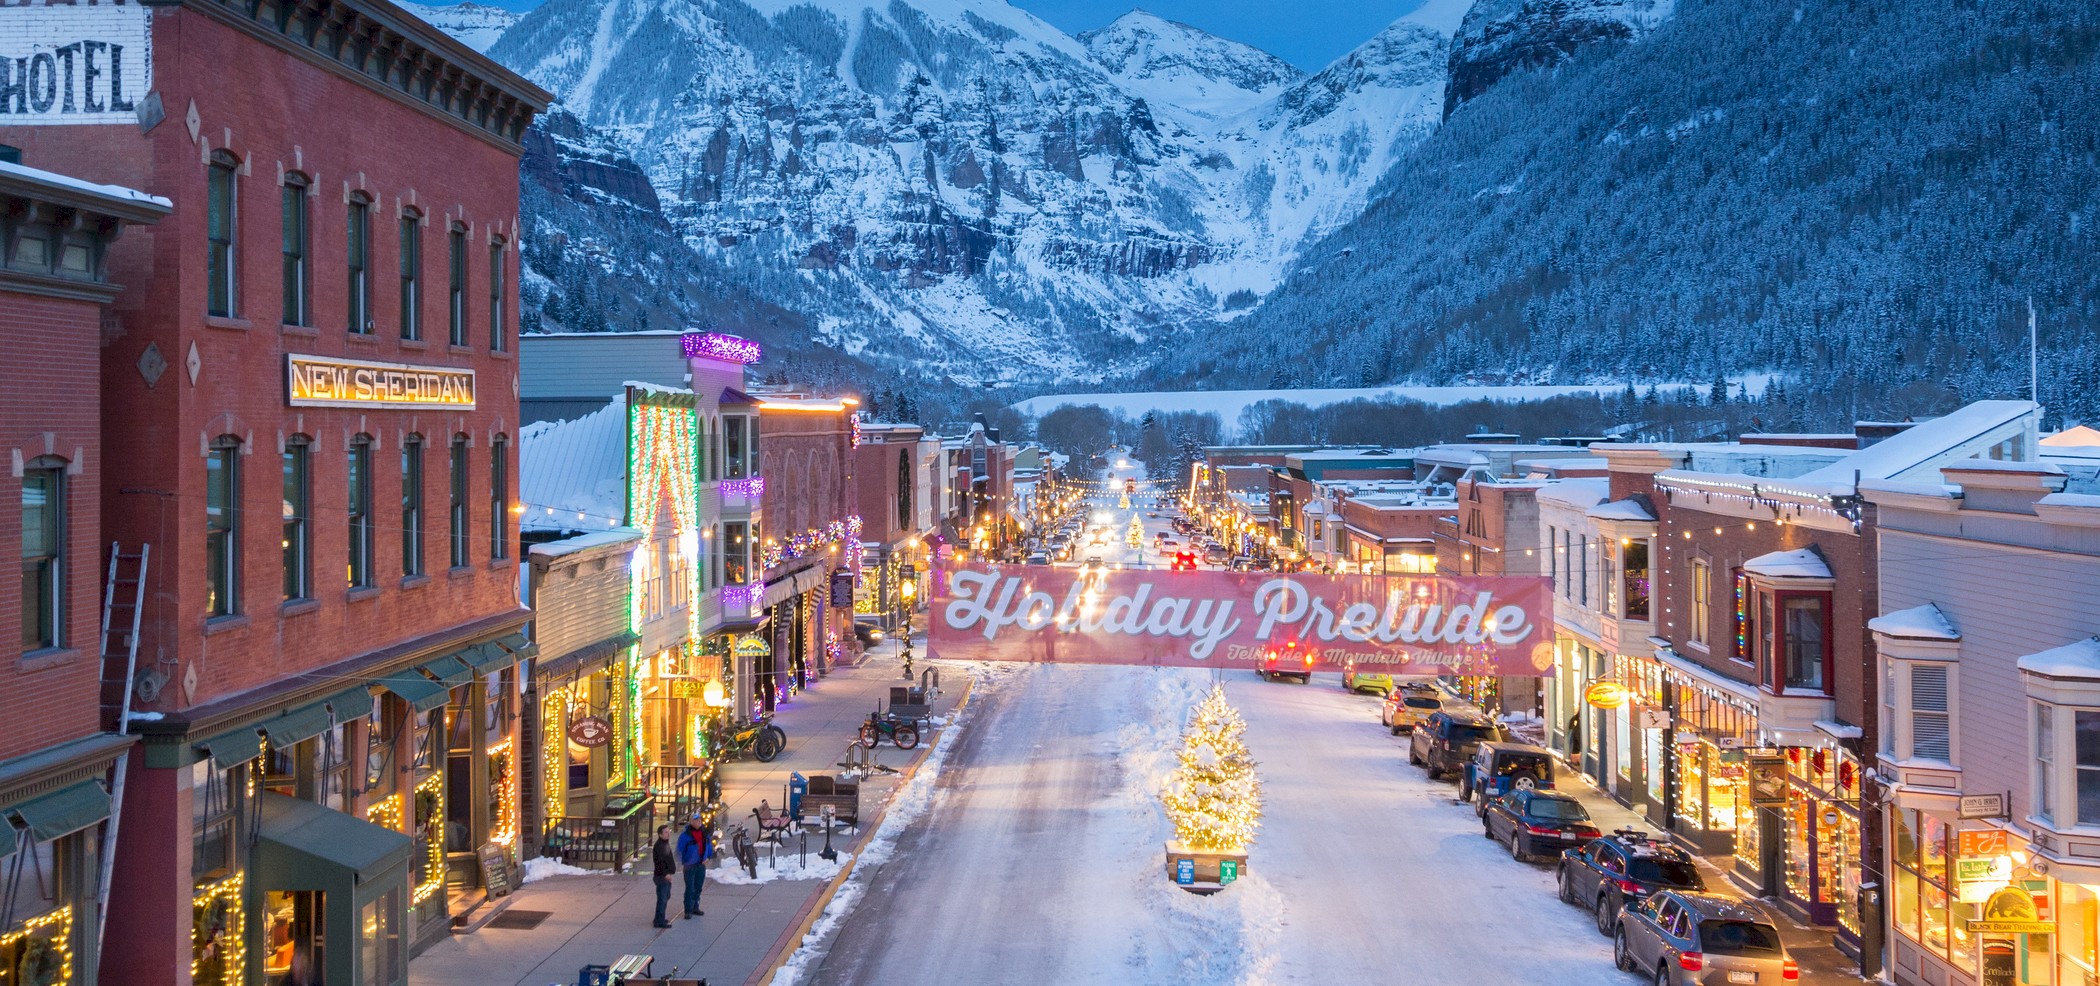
(596, 918)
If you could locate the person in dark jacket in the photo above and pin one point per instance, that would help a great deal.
(666, 859)
(693, 852)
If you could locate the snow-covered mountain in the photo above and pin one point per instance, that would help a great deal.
(955, 189)
(475, 25)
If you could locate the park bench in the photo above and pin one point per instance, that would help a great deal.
(771, 824)
(843, 797)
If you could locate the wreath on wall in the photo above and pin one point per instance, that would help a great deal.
(40, 964)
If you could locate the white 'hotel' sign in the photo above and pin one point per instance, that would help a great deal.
(74, 63)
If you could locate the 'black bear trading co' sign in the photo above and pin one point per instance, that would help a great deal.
(73, 62)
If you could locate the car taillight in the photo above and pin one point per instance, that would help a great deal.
(1789, 971)
(1629, 887)
(1308, 659)
(1541, 830)
(1587, 832)
(1691, 961)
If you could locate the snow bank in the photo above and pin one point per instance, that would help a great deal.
(542, 867)
(786, 865)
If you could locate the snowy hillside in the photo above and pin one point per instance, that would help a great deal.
(475, 25)
(1175, 67)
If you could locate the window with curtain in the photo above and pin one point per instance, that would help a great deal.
(221, 221)
(358, 263)
(298, 536)
(297, 250)
(458, 514)
(412, 505)
(222, 527)
(1930, 722)
(43, 549)
(358, 481)
(411, 269)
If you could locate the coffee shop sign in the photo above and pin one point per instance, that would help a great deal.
(74, 61)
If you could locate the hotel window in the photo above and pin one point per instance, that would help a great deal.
(222, 515)
(298, 250)
(298, 537)
(412, 505)
(359, 486)
(499, 498)
(358, 263)
(456, 307)
(499, 336)
(460, 537)
(222, 217)
(411, 269)
(1702, 601)
(43, 550)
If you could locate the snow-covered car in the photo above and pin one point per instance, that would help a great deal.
(1405, 709)
(1537, 823)
(1695, 939)
(1446, 740)
(1605, 874)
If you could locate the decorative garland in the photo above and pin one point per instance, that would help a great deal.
(843, 532)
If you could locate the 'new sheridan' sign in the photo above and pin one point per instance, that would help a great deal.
(318, 381)
(1399, 624)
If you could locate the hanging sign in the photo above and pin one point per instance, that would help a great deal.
(1983, 806)
(1605, 694)
(2011, 911)
(753, 645)
(75, 63)
(1470, 625)
(591, 731)
(1767, 782)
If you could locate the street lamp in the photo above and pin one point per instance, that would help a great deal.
(908, 590)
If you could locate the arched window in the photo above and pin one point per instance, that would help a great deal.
(411, 275)
(298, 251)
(358, 481)
(222, 522)
(222, 295)
(43, 554)
(298, 507)
(458, 511)
(499, 497)
(412, 505)
(358, 228)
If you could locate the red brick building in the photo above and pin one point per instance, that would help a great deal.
(811, 504)
(59, 754)
(310, 394)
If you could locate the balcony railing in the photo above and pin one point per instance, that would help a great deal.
(610, 841)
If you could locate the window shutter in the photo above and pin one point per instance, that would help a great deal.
(1929, 724)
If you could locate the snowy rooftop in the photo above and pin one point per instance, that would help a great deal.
(585, 542)
(572, 475)
(112, 194)
(2082, 435)
(1581, 494)
(2078, 660)
(1801, 564)
(1621, 510)
(1916, 623)
(1906, 455)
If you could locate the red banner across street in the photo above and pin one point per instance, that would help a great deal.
(1399, 624)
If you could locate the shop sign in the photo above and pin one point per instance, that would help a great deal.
(318, 381)
(76, 63)
(1983, 806)
(1767, 782)
(1654, 719)
(1605, 694)
(688, 687)
(753, 645)
(591, 731)
(1980, 842)
(2011, 911)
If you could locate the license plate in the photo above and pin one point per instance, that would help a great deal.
(1742, 977)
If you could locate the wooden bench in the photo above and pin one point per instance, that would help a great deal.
(843, 797)
(631, 967)
(771, 824)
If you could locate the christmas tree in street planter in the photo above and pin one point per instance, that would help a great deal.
(1214, 799)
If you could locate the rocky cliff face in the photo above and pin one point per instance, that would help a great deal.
(1504, 36)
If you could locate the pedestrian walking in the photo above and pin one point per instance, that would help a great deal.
(666, 859)
(694, 849)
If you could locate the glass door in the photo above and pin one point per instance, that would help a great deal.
(295, 933)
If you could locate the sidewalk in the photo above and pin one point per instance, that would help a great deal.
(551, 928)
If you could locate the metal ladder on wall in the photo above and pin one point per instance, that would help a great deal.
(123, 603)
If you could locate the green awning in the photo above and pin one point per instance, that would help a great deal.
(66, 810)
(514, 642)
(8, 841)
(450, 670)
(492, 657)
(295, 831)
(235, 746)
(419, 692)
(301, 723)
(351, 703)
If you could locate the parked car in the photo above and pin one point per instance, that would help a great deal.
(1447, 739)
(1038, 558)
(1405, 709)
(1214, 555)
(1287, 661)
(1535, 823)
(1499, 768)
(868, 632)
(1380, 682)
(1607, 873)
(1696, 939)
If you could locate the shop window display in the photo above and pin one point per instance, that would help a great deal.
(379, 935)
(294, 937)
(2077, 920)
(1923, 910)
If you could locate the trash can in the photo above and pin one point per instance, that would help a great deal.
(797, 787)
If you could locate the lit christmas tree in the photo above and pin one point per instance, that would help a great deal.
(1214, 800)
(1137, 532)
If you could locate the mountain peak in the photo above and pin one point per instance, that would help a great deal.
(475, 25)
(1172, 64)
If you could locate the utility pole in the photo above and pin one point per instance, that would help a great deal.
(2034, 359)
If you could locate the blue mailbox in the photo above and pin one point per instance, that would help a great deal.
(798, 786)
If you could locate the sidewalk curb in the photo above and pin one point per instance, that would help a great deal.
(813, 908)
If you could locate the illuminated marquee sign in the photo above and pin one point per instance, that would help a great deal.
(315, 381)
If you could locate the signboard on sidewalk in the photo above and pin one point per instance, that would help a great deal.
(1473, 625)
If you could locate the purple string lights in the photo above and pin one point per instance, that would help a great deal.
(739, 597)
(754, 486)
(721, 346)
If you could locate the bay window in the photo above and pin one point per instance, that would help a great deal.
(1792, 632)
(1919, 705)
(2063, 728)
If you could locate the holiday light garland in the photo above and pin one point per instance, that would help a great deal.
(841, 532)
(1214, 799)
(233, 937)
(434, 843)
(55, 931)
(753, 486)
(721, 346)
(503, 829)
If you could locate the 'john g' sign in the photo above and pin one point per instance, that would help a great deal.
(73, 61)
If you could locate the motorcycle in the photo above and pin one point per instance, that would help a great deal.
(759, 737)
(901, 731)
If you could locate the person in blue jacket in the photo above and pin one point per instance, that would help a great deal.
(694, 850)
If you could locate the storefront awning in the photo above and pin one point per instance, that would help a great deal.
(585, 659)
(351, 703)
(419, 692)
(496, 655)
(296, 834)
(68, 809)
(298, 724)
(450, 670)
(234, 746)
